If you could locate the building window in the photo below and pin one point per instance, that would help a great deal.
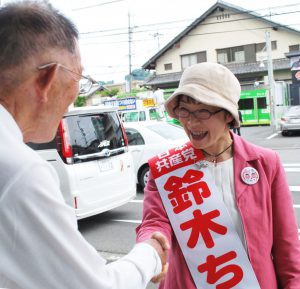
(294, 48)
(231, 54)
(190, 59)
(260, 46)
(168, 66)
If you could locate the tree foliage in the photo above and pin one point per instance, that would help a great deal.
(138, 74)
(80, 101)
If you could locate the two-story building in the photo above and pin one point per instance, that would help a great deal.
(239, 39)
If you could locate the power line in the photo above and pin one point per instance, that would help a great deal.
(101, 4)
(135, 31)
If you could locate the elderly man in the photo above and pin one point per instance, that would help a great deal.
(40, 246)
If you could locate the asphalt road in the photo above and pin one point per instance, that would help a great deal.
(113, 233)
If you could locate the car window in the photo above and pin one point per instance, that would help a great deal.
(153, 113)
(131, 116)
(92, 133)
(142, 116)
(168, 131)
(134, 137)
(44, 146)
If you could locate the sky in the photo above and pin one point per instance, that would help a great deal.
(104, 24)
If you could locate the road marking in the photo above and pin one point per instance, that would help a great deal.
(294, 188)
(133, 201)
(273, 135)
(292, 170)
(291, 165)
(128, 221)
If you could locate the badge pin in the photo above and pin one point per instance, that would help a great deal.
(202, 164)
(250, 176)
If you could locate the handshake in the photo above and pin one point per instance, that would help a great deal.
(160, 243)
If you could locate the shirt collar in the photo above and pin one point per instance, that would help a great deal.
(9, 123)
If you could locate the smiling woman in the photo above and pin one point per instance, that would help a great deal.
(218, 175)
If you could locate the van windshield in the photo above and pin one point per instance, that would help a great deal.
(92, 133)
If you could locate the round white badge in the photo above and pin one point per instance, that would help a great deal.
(250, 175)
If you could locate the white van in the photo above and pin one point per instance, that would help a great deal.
(90, 155)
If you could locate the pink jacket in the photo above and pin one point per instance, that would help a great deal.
(267, 214)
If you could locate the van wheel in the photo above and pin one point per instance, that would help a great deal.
(143, 179)
(284, 133)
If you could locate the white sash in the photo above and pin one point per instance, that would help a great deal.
(203, 227)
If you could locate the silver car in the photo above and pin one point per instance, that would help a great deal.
(290, 121)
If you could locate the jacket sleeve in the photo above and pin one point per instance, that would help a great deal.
(154, 215)
(286, 245)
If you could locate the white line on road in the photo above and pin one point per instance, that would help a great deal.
(291, 165)
(128, 221)
(133, 201)
(292, 170)
(273, 135)
(294, 188)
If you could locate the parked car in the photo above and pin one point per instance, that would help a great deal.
(147, 139)
(90, 154)
(290, 121)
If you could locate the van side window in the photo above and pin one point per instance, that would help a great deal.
(153, 114)
(43, 146)
(142, 116)
(134, 137)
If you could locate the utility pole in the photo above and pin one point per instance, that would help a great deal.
(271, 81)
(129, 51)
(156, 35)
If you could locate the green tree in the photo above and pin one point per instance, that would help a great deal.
(80, 101)
(138, 74)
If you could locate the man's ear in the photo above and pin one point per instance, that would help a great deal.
(45, 80)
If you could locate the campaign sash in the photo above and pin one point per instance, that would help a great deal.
(203, 227)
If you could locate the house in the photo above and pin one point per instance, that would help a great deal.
(93, 97)
(237, 38)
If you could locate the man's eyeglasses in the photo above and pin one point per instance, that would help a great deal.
(198, 114)
(85, 82)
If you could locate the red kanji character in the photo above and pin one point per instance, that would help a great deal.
(178, 196)
(179, 191)
(213, 275)
(201, 225)
(199, 190)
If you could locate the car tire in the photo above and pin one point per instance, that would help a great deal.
(143, 178)
(284, 133)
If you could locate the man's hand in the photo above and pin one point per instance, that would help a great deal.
(161, 245)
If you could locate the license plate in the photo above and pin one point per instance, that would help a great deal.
(105, 165)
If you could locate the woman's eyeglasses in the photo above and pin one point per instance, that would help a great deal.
(201, 114)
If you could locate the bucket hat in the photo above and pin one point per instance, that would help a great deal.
(211, 84)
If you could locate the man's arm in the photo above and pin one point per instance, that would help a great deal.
(44, 249)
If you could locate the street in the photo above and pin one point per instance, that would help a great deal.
(113, 233)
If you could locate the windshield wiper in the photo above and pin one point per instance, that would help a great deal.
(105, 153)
